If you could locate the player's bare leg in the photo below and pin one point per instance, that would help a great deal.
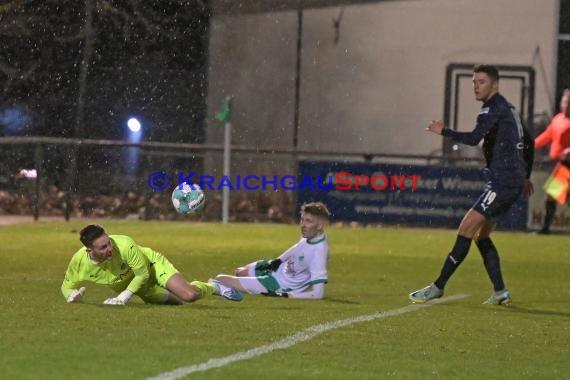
(190, 292)
(246, 271)
(485, 230)
(171, 299)
(231, 281)
(180, 287)
(248, 284)
(472, 223)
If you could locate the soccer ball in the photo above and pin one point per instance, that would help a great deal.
(188, 198)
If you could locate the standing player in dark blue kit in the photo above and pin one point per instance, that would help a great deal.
(508, 152)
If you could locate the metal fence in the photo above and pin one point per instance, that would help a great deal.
(109, 178)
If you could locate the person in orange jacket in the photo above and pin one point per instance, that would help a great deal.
(557, 134)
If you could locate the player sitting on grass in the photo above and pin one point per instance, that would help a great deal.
(300, 272)
(127, 268)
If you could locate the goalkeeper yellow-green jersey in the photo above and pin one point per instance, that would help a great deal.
(131, 267)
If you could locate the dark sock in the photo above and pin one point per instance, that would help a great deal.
(492, 262)
(550, 206)
(453, 260)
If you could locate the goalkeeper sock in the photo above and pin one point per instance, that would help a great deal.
(491, 262)
(453, 260)
(205, 288)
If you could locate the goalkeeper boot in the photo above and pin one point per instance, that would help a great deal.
(499, 298)
(430, 292)
(225, 291)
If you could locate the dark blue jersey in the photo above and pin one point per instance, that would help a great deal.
(499, 125)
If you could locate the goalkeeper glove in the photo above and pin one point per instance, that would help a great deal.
(114, 301)
(76, 295)
(271, 265)
(121, 299)
(275, 294)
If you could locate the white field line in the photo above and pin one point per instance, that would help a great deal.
(292, 340)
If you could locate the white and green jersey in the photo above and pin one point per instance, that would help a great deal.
(304, 264)
(132, 267)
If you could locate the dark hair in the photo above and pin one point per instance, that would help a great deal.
(490, 70)
(90, 233)
(316, 208)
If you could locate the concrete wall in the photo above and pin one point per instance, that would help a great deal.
(374, 90)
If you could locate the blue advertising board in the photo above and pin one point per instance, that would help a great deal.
(399, 194)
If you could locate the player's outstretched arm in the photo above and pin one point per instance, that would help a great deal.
(70, 287)
(119, 300)
(435, 126)
(76, 295)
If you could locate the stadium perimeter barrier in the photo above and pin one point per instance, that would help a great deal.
(111, 178)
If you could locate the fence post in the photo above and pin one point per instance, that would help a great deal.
(147, 163)
(38, 159)
(225, 116)
(71, 180)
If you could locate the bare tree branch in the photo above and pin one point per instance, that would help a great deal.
(143, 19)
(5, 8)
(16, 75)
(79, 36)
(14, 26)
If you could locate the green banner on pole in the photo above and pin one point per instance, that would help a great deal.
(225, 112)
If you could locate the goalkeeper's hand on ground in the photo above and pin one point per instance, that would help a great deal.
(275, 294)
(271, 265)
(76, 295)
(120, 300)
(114, 301)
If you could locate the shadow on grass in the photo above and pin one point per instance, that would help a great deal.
(149, 306)
(337, 300)
(519, 309)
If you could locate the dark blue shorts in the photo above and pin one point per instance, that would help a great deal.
(496, 200)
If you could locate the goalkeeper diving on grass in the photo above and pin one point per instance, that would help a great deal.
(300, 272)
(129, 269)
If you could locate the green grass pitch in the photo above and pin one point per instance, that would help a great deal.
(370, 270)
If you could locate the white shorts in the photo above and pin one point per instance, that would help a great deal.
(251, 284)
